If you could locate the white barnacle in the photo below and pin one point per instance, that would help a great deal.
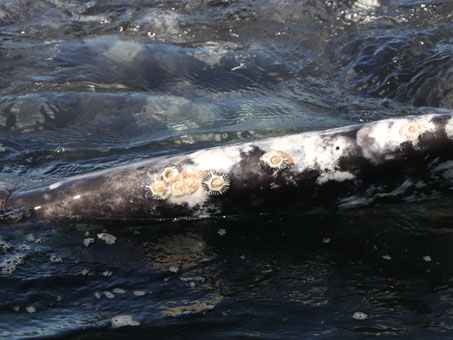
(276, 161)
(191, 182)
(157, 189)
(216, 182)
(169, 174)
(177, 187)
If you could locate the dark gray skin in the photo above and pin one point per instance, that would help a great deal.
(339, 168)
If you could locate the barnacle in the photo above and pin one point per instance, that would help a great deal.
(412, 131)
(170, 173)
(216, 182)
(177, 187)
(276, 161)
(157, 189)
(191, 182)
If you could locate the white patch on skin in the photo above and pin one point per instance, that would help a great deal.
(338, 176)
(315, 151)
(312, 150)
(193, 199)
(55, 185)
(380, 139)
(218, 158)
(449, 128)
(274, 185)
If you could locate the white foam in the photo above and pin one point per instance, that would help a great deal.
(124, 320)
(107, 238)
(10, 262)
(139, 292)
(88, 241)
(360, 316)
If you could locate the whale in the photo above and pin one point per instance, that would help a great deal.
(403, 159)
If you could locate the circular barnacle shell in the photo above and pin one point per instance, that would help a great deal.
(216, 182)
(276, 161)
(177, 187)
(157, 189)
(411, 131)
(191, 182)
(170, 173)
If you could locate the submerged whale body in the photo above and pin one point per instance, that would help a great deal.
(400, 159)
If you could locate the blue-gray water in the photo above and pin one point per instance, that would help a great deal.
(87, 85)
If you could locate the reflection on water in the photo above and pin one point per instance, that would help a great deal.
(90, 85)
(309, 273)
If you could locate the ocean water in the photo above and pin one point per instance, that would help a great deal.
(87, 85)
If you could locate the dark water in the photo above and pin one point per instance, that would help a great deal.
(87, 85)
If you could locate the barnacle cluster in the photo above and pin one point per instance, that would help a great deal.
(172, 182)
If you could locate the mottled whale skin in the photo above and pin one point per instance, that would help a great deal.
(400, 159)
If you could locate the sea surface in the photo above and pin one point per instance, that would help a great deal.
(87, 85)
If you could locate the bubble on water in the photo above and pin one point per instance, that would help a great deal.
(30, 309)
(5, 246)
(97, 295)
(360, 316)
(41, 240)
(139, 292)
(22, 247)
(326, 240)
(124, 320)
(30, 238)
(109, 295)
(60, 149)
(427, 258)
(87, 272)
(118, 290)
(16, 308)
(56, 259)
(107, 273)
(107, 238)
(221, 232)
(88, 241)
(387, 257)
(59, 298)
(173, 269)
